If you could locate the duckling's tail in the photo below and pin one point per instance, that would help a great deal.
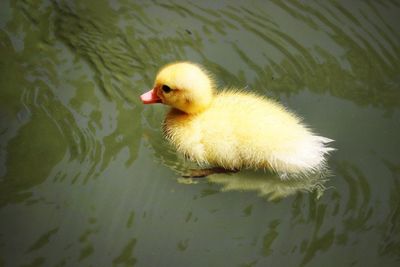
(306, 157)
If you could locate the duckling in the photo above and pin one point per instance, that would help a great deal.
(233, 129)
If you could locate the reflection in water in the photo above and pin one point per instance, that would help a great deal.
(270, 185)
(84, 170)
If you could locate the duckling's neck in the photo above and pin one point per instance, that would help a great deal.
(177, 112)
(176, 116)
(193, 107)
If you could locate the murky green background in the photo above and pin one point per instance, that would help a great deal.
(86, 178)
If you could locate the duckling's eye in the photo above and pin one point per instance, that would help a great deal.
(166, 88)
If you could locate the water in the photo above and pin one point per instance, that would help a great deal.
(86, 178)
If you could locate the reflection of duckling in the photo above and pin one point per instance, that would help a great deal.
(233, 129)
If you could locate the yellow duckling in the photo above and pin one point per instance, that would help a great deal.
(233, 129)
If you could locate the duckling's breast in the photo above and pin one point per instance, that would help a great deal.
(184, 131)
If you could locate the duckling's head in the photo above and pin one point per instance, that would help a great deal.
(184, 86)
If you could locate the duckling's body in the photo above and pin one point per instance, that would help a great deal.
(234, 129)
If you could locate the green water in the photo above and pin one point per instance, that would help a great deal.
(86, 178)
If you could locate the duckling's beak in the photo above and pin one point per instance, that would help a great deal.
(150, 97)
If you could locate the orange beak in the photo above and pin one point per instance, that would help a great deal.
(150, 97)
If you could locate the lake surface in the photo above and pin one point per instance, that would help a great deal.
(86, 178)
